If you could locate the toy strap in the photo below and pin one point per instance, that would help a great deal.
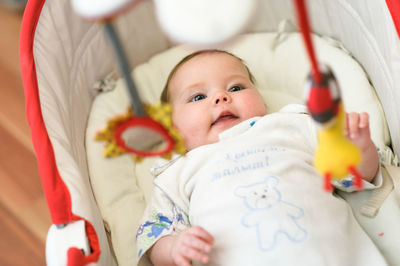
(306, 33)
(390, 183)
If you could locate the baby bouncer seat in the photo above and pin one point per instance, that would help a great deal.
(64, 57)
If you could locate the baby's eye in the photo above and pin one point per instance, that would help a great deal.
(198, 97)
(235, 88)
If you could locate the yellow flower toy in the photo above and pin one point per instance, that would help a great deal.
(143, 136)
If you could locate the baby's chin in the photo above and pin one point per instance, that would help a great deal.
(210, 139)
(213, 135)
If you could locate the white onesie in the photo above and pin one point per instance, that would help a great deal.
(258, 194)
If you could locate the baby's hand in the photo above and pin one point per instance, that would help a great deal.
(193, 243)
(357, 130)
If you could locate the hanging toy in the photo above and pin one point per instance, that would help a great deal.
(206, 22)
(144, 130)
(335, 157)
(117, 144)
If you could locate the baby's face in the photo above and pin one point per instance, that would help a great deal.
(210, 93)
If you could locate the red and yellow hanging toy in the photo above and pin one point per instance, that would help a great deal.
(335, 157)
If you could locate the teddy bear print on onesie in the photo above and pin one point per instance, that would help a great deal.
(269, 215)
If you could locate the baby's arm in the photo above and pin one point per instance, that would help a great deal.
(194, 243)
(357, 130)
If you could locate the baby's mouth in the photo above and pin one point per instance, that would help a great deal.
(224, 117)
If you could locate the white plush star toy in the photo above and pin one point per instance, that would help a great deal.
(197, 22)
(204, 22)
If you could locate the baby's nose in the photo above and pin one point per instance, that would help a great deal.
(222, 97)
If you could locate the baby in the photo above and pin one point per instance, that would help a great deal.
(246, 193)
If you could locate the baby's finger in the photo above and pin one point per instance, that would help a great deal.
(346, 125)
(364, 120)
(193, 254)
(353, 124)
(201, 233)
(197, 243)
(180, 260)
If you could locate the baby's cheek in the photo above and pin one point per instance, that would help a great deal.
(191, 135)
(255, 104)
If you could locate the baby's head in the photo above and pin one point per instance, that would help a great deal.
(210, 91)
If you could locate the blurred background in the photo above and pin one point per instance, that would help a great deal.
(24, 217)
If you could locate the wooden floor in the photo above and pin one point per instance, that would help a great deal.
(24, 217)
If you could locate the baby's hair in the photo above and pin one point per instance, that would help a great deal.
(165, 95)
